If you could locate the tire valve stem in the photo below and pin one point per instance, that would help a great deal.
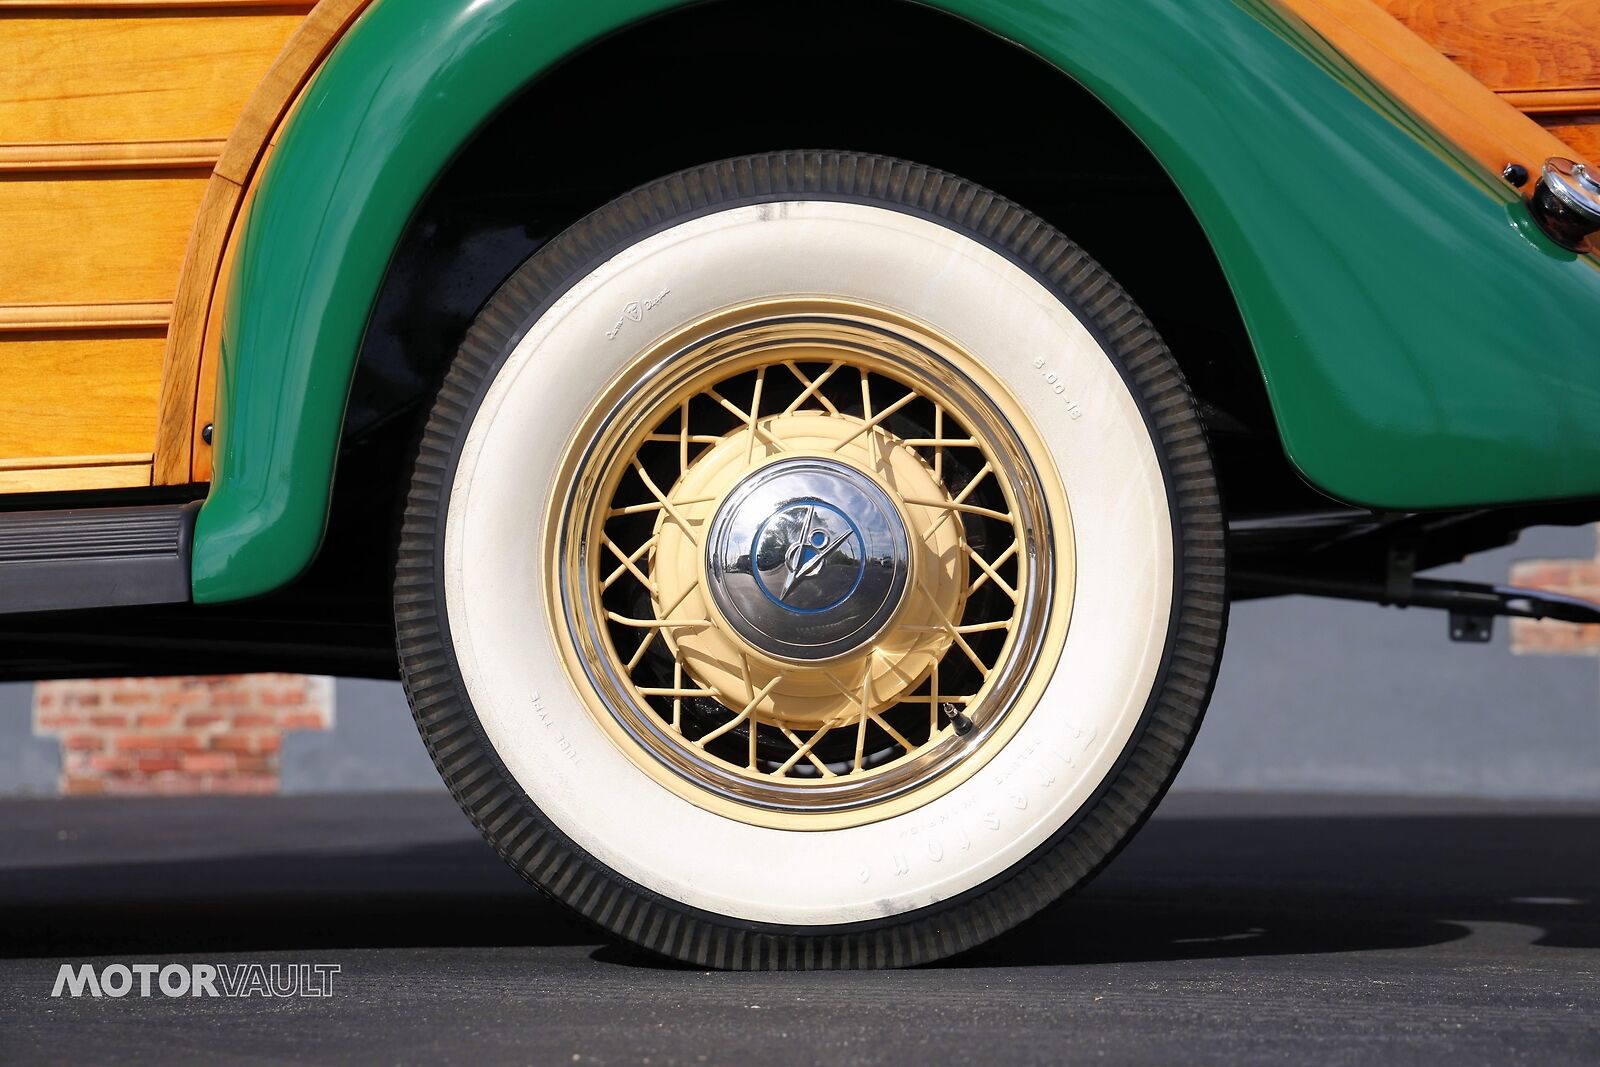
(958, 719)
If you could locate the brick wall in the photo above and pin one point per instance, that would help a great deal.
(213, 734)
(1574, 577)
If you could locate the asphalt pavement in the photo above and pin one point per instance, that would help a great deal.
(1236, 929)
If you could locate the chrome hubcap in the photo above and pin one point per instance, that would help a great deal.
(808, 559)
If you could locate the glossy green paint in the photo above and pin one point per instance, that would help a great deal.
(1423, 345)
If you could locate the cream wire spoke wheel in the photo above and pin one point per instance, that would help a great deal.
(810, 560)
(808, 563)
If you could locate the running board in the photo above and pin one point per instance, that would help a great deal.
(95, 557)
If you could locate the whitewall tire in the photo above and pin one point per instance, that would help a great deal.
(706, 785)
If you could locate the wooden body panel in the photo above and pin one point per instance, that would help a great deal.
(112, 119)
(1541, 56)
(115, 237)
(112, 76)
(1512, 44)
(76, 409)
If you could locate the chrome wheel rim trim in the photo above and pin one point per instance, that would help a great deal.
(968, 725)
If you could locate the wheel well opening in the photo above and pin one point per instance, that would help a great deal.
(737, 76)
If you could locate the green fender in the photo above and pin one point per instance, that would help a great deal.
(1423, 345)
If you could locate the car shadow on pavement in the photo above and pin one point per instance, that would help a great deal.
(1192, 888)
(1186, 888)
(457, 894)
(1236, 887)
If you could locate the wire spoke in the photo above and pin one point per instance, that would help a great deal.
(866, 702)
(873, 422)
(744, 713)
(999, 561)
(628, 563)
(666, 504)
(992, 573)
(650, 637)
(811, 386)
(755, 414)
(950, 628)
(657, 624)
(803, 751)
(744, 417)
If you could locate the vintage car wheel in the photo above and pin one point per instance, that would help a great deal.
(810, 560)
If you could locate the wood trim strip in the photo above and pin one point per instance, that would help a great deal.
(1455, 103)
(113, 155)
(67, 479)
(43, 463)
(208, 241)
(145, 315)
(1554, 101)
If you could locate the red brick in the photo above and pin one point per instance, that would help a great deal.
(58, 720)
(157, 764)
(283, 697)
(257, 765)
(208, 762)
(83, 742)
(245, 720)
(197, 720)
(100, 762)
(176, 784)
(157, 719)
(159, 742)
(305, 721)
(237, 742)
(109, 722)
(77, 786)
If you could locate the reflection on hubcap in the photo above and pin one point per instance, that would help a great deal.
(808, 559)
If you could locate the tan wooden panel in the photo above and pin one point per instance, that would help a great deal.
(111, 238)
(1584, 137)
(86, 393)
(1512, 44)
(67, 479)
(110, 76)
